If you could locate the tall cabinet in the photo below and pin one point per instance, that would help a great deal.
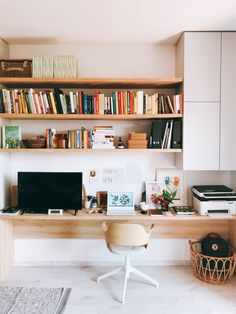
(199, 61)
(228, 102)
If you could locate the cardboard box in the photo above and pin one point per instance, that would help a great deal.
(138, 136)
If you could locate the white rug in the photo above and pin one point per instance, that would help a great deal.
(19, 300)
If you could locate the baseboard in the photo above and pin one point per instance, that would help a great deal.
(98, 263)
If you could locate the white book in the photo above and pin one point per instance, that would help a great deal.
(63, 103)
(170, 134)
(164, 137)
(72, 102)
(140, 101)
(32, 102)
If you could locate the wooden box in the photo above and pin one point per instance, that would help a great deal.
(15, 67)
(137, 136)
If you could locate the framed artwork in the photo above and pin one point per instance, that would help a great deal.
(172, 180)
(102, 199)
(153, 187)
(120, 203)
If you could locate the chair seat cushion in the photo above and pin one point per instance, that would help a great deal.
(126, 250)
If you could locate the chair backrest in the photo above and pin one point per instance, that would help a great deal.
(126, 234)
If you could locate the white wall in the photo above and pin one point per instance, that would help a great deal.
(110, 60)
(103, 61)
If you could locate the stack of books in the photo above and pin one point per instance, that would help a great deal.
(103, 137)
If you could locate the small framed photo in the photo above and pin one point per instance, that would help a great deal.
(120, 203)
(102, 199)
(153, 187)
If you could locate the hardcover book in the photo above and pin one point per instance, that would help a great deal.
(11, 136)
(183, 210)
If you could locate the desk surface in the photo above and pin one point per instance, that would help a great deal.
(83, 215)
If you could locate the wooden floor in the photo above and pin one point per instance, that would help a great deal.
(179, 292)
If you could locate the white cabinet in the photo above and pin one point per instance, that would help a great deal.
(228, 103)
(202, 66)
(201, 135)
(199, 58)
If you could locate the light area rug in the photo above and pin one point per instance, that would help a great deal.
(20, 300)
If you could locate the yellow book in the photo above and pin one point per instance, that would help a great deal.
(25, 109)
(54, 108)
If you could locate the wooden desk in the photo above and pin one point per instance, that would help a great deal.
(87, 226)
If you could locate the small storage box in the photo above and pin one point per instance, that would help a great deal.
(15, 67)
(213, 270)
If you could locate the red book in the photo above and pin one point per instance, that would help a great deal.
(96, 102)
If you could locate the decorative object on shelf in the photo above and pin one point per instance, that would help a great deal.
(121, 144)
(11, 136)
(15, 67)
(137, 140)
(102, 199)
(35, 142)
(164, 199)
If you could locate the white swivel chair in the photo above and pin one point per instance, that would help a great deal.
(126, 239)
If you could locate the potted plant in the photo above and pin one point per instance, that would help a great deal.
(164, 199)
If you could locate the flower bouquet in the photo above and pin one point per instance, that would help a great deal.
(164, 199)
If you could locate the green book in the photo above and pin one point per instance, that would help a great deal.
(11, 136)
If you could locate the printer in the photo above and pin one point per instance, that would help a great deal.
(214, 199)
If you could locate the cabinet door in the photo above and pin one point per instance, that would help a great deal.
(202, 66)
(228, 103)
(201, 136)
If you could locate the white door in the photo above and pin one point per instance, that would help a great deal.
(228, 103)
(202, 66)
(201, 136)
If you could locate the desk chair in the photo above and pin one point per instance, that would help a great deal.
(126, 239)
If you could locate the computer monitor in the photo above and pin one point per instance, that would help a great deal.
(49, 190)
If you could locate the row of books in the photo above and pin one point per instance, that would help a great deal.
(56, 102)
(99, 137)
(54, 66)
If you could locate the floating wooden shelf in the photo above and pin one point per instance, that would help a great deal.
(98, 150)
(23, 116)
(91, 82)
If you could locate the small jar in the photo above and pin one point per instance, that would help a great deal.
(121, 144)
(62, 141)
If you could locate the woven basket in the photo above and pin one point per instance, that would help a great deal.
(38, 142)
(213, 270)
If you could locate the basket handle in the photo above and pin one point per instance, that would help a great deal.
(213, 235)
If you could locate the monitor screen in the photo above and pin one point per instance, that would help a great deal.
(44, 190)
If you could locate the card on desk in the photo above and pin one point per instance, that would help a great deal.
(155, 212)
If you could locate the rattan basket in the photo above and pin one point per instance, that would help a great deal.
(213, 270)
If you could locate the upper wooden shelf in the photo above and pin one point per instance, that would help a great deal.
(91, 82)
(23, 116)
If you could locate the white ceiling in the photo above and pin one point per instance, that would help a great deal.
(111, 21)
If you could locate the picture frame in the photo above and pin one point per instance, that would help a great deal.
(171, 180)
(151, 188)
(120, 203)
(102, 199)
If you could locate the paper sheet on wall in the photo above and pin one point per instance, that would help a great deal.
(113, 175)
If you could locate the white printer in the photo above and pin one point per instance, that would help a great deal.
(213, 199)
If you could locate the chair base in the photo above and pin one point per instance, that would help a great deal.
(128, 269)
